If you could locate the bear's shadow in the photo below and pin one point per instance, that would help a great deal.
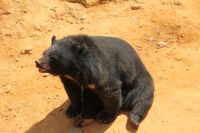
(57, 122)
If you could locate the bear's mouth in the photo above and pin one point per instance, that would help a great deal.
(44, 70)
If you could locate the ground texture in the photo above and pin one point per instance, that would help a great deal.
(165, 33)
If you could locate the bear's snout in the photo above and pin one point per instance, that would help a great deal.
(38, 64)
(42, 65)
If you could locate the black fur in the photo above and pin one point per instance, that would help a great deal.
(121, 79)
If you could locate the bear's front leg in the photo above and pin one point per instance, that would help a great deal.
(73, 91)
(112, 102)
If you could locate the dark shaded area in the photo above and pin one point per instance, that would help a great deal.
(57, 122)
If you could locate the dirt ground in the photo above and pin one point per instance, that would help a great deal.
(165, 33)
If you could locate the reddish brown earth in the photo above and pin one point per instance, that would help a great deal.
(165, 33)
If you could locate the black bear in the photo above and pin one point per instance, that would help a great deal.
(106, 66)
(91, 105)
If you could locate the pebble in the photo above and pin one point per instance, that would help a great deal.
(177, 3)
(81, 28)
(179, 59)
(150, 39)
(32, 35)
(136, 7)
(24, 11)
(6, 13)
(162, 44)
(84, 17)
(17, 59)
(45, 75)
(9, 108)
(27, 50)
(5, 89)
(139, 47)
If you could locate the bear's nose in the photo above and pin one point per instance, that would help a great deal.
(38, 64)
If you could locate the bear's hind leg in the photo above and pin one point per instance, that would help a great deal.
(142, 95)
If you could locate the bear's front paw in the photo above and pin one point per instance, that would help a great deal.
(72, 111)
(81, 122)
(104, 117)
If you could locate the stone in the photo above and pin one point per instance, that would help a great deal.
(27, 50)
(88, 3)
(17, 59)
(84, 17)
(162, 44)
(136, 7)
(45, 75)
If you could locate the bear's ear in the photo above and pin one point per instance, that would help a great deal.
(53, 39)
(81, 49)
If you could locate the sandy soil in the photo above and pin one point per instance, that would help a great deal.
(166, 34)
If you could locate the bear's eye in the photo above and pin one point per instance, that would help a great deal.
(52, 58)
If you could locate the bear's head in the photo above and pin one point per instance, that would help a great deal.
(64, 56)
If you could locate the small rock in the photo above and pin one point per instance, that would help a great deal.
(32, 35)
(5, 13)
(81, 28)
(10, 108)
(45, 75)
(27, 50)
(179, 59)
(162, 44)
(136, 7)
(177, 3)
(49, 30)
(84, 17)
(5, 88)
(8, 35)
(88, 3)
(58, 87)
(139, 46)
(182, 35)
(140, 25)
(17, 59)
(24, 11)
(169, 37)
(150, 39)
(7, 91)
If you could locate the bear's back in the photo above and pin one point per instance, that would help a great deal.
(120, 53)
